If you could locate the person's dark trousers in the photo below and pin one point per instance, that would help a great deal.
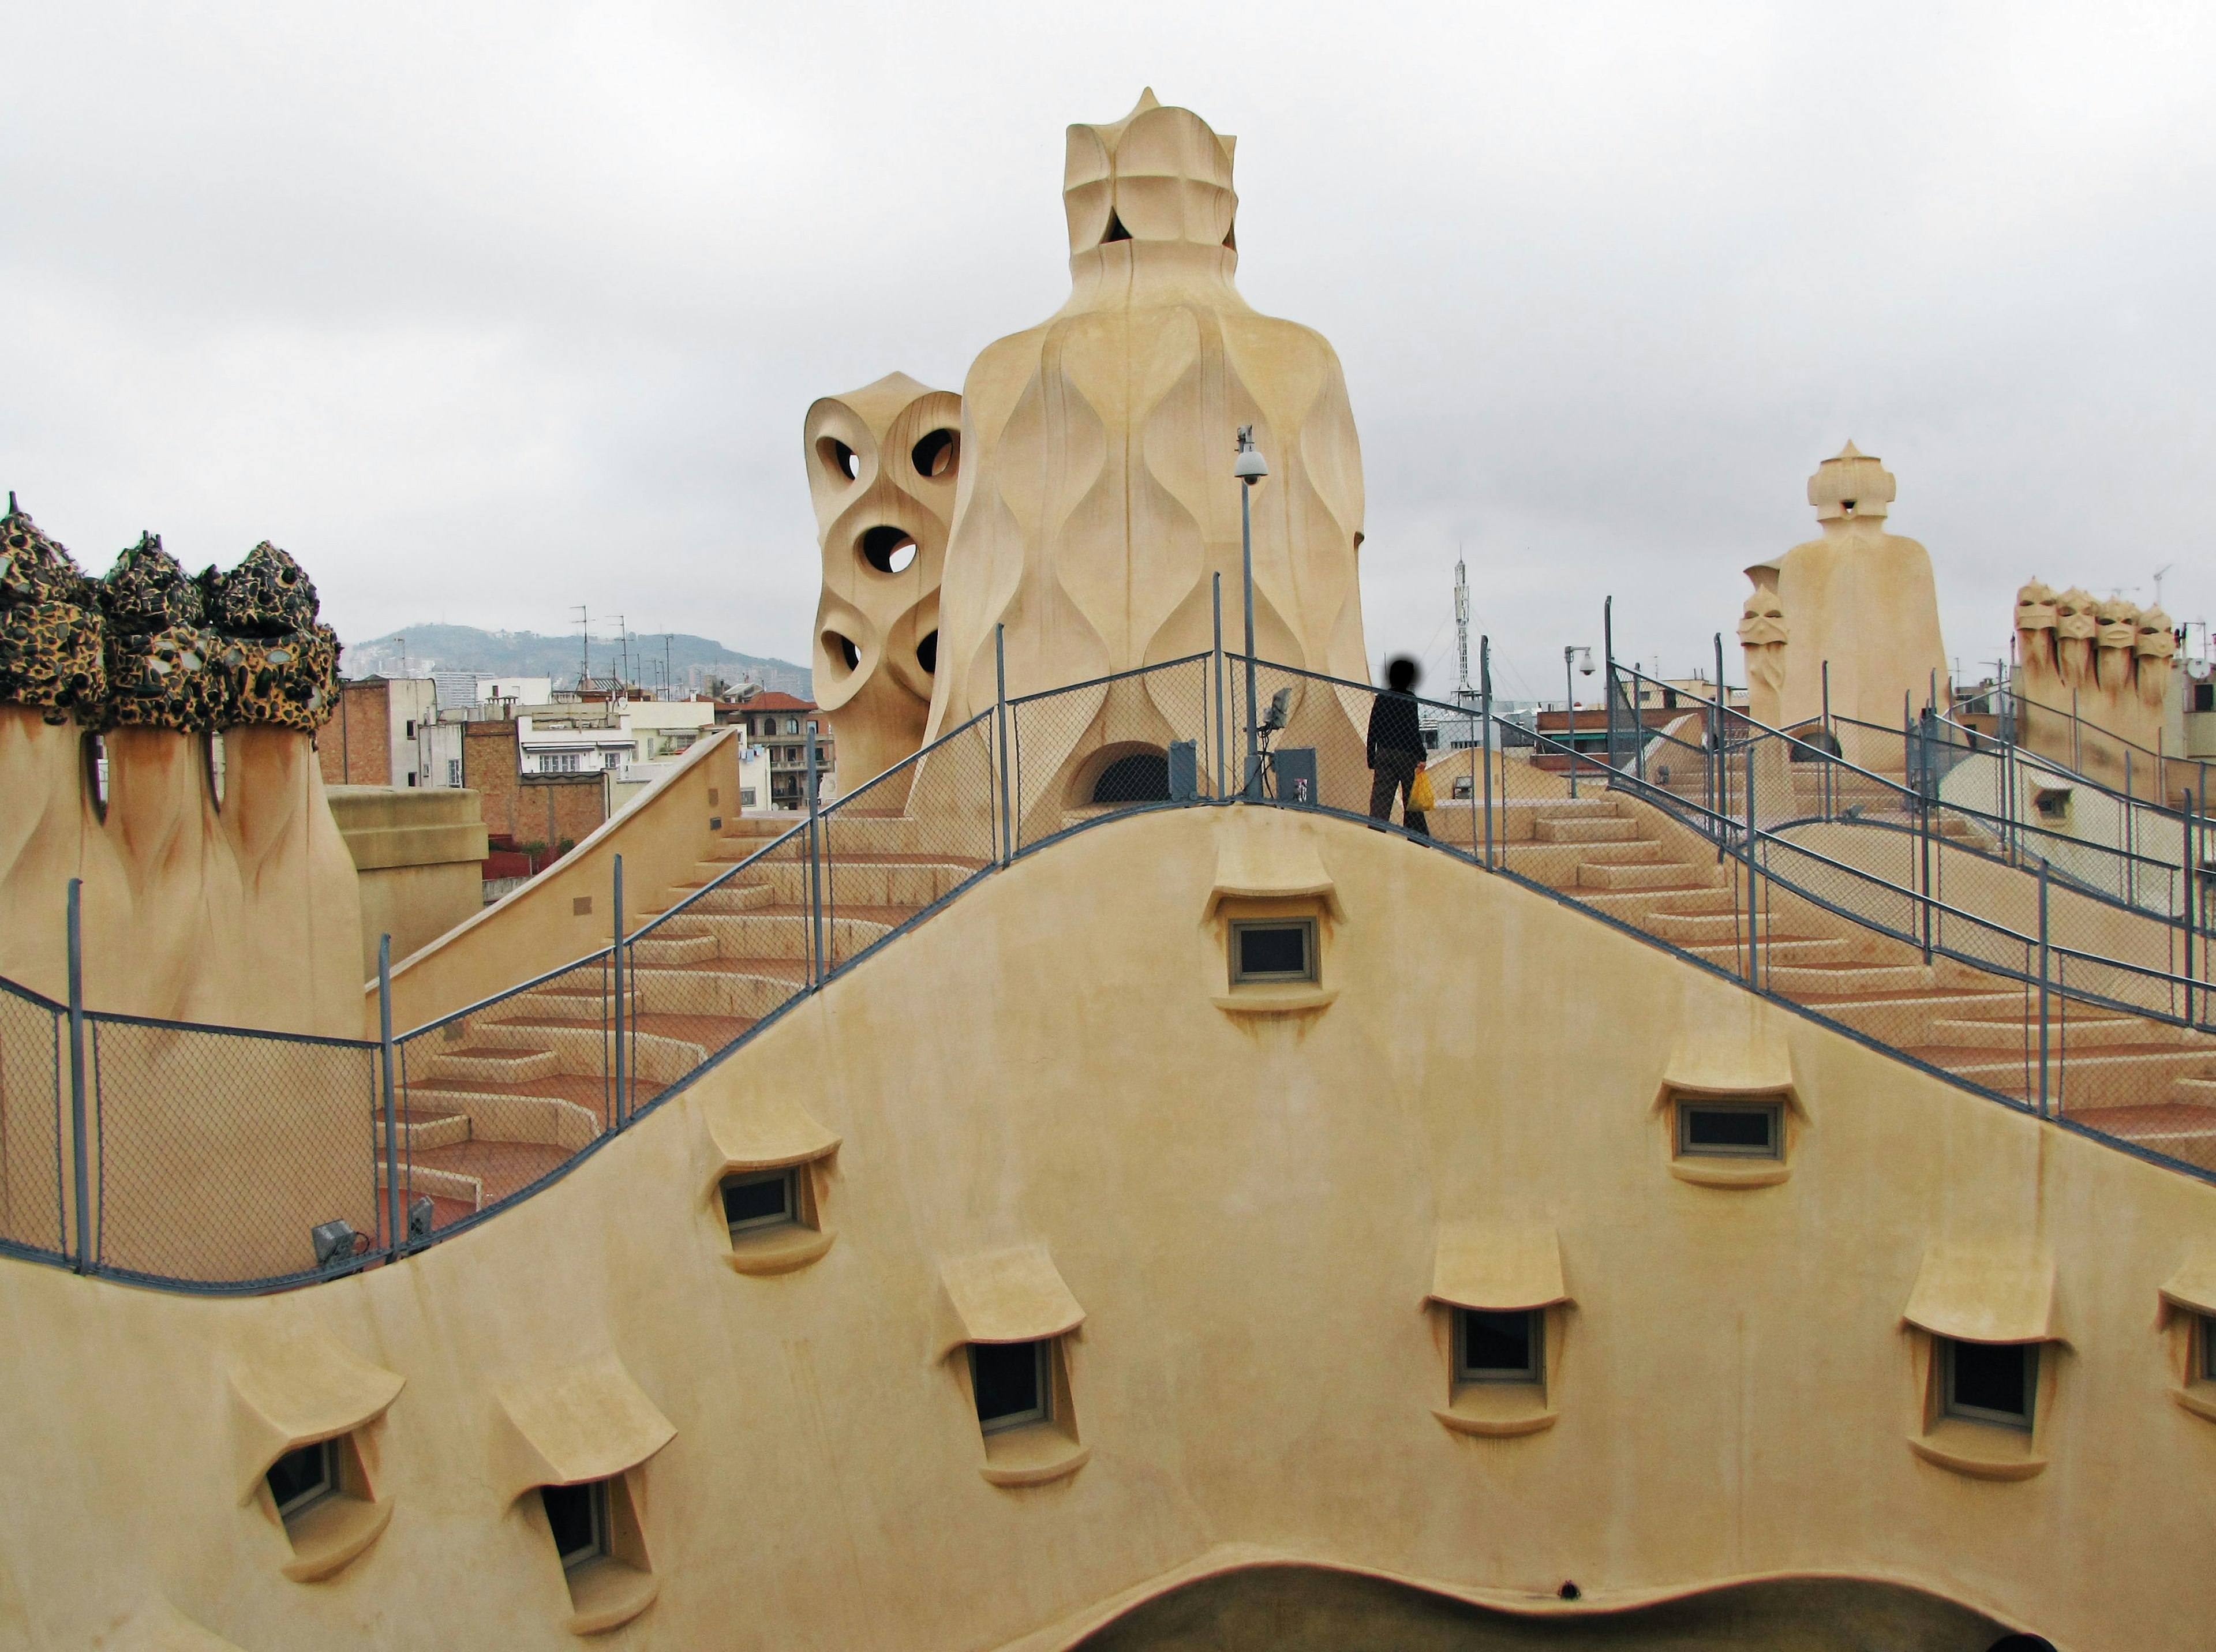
(1395, 771)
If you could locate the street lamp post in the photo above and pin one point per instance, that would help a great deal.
(1570, 704)
(1248, 467)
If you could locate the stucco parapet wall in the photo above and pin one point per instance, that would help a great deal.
(565, 913)
(1247, 1224)
(387, 826)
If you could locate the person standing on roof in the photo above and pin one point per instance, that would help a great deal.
(1395, 745)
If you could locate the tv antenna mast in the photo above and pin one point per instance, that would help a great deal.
(1463, 690)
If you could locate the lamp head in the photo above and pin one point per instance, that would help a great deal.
(1248, 466)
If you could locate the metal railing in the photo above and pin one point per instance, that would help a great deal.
(220, 1159)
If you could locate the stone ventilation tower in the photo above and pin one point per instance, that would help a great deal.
(1857, 598)
(883, 463)
(1097, 496)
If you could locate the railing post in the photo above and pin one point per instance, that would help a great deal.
(2187, 865)
(1221, 771)
(1719, 774)
(1831, 742)
(1000, 703)
(1251, 788)
(815, 870)
(1753, 916)
(2043, 987)
(1485, 694)
(622, 1095)
(1608, 677)
(395, 1236)
(80, 1134)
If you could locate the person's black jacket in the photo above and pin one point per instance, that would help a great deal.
(1395, 726)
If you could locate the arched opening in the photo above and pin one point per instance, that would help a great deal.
(1137, 777)
(886, 548)
(840, 460)
(926, 653)
(937, 454)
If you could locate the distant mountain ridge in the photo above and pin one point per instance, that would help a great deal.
(690, 661)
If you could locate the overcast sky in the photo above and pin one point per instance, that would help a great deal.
(485, 312)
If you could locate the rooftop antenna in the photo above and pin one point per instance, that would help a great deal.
(585, 635)
(2158, 574)
(1463, 690)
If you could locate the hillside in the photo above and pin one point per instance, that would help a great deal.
(690, 660)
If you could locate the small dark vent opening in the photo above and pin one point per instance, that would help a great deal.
(937, 453)
(844, 647)
(839, 458)
(926, 653)
(1231, 238)
(1141, 778)
(888, 549)
(1116, 230)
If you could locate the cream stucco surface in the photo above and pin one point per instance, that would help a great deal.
(1249, 1209)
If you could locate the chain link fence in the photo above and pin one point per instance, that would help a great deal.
(1080, 754)
(35, 1202)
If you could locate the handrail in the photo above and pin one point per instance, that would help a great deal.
(951, 817)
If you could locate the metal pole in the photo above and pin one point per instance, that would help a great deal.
(2188, 911)
(2043, 987)
(1719, 774)
(1216, 581)
(814, 868)
(1753, 917)
(1830, 741)
(623, 1096)
(395, 1236)
(1000, 705)
(1570, 717)
(80, 1136)
(1484, 695)
(1608, 670)
(1246, 575)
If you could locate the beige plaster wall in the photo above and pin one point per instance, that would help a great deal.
(420, 854)
(1245, 1209)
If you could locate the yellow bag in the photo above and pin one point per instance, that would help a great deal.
(1421, 795)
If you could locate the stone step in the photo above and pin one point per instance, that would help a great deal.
(673, 950)
(2014, 1035)
(491, 1116)
(1632, 904)
(2079, 1082)
(419, 1131)
(2194, 1092)
(497, 1060)
(1583, 829)
(1807, 977)
(1782, 952)
(1693, 928)
(465, 1190)
(1660, 875)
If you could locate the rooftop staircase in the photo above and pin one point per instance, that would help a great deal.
(2141, 1080)
(501, 1097)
